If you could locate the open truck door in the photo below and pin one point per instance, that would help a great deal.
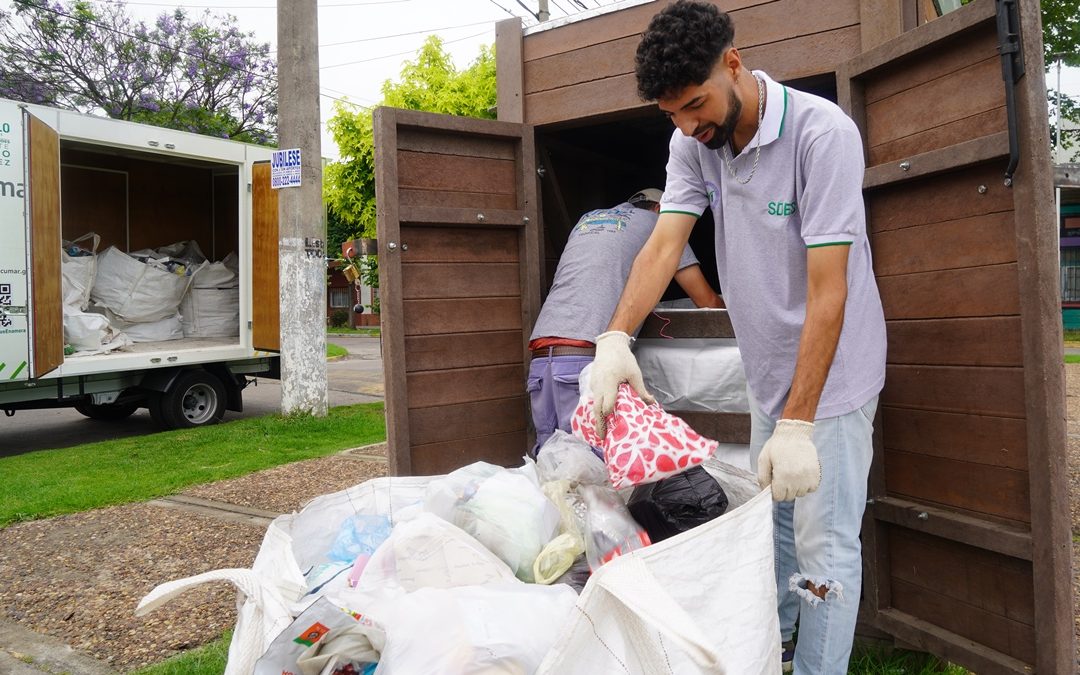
(43, 215)
(966, 534)
(458, 276)
(265, 293)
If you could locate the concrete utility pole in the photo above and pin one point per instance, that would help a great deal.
(543, 15)
(302, 250)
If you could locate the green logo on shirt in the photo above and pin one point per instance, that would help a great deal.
(783, 208)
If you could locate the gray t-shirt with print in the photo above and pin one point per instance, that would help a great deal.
(806, 192)
(593, 270)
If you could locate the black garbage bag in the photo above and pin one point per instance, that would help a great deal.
(677, 503)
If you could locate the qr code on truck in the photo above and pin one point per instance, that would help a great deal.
(5, 294)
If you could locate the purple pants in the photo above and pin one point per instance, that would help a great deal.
(553, 393)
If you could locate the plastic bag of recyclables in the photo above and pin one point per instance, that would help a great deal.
(643, 610)
(643, 444)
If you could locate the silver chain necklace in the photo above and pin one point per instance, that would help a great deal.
(729, 158)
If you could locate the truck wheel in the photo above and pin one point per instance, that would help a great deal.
(108, 412)
(196, 398)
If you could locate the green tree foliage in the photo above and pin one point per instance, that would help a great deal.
(194, 74)
(1061, 39)
(430, 83)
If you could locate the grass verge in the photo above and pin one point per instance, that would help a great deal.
(1072, 358)
(334, 351)
(372, 331)
(66, 480)
(1072, 336)
(870, 660)
(206, 660)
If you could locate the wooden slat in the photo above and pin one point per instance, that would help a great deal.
(976, 291)
(720, 427)
(440, 458)
(444, 143)
(942, 160)
(453, 173)
(442, 215)
(460, 280)
(981, 391)
(765, 24)
(943, 136)
(44, 204)
(879, 22)
(977, 488)
(432, 317)
(508, 70)
(981, 439)
(618, 94)
(467, 385)
(687, 324)
(925, 636)
(969, 242)
(459, 245)
(1044, 377)
(265, 304)
(1008, 637)
(386, 123)
(462, 350)
(469, 200)
(1009, 540)
(939, 198)
(410, 120)
(605, 28)
(956, 342)
(951, 56)
(989, 581)
(466, 420)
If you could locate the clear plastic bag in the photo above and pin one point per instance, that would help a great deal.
(359, 535)
(610, 531)
(566, 457)
(504, 509)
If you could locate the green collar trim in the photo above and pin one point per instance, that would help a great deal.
(783, 116)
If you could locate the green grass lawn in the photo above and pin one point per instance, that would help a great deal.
(334, 351)
(1072, 336)
(371, 331)
(206, 660)
(67, 480)
(210, 660)
(1072, 358)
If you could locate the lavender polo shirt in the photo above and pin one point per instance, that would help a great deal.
(806, 192)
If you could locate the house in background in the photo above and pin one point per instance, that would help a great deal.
(343, 295)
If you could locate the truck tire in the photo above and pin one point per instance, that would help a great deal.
(108, 412)
(194, 399)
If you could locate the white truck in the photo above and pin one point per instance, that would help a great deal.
(64, 174)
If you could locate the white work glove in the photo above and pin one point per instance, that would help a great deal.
(789, 461)
(613, 364)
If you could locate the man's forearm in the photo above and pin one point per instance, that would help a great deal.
(817, 346)
(652, 271)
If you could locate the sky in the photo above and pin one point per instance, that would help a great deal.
(356, 70)
(365, 42)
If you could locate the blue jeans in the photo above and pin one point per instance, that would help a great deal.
(817, 540)
(554, 393)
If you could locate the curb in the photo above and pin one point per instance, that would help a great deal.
(38, 653)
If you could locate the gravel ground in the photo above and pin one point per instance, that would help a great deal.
(87, 595)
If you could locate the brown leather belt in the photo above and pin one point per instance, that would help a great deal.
(564, 351)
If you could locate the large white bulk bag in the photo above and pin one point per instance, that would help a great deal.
(703, 601)
(211, 307)
(136, 291)
(77, 271)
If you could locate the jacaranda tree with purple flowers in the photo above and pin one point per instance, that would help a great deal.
(194, 74)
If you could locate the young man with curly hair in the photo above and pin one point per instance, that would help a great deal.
(782, 172)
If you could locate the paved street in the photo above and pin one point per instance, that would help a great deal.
(356, 379)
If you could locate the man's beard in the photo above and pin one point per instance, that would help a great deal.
(723, 133)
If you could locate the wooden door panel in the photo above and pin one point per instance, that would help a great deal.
(459, 274)
(43, 194)
(265, 293)
(966, 537)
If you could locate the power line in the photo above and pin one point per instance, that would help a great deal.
(387, 37)
(516, 16)
(175, 6)
(410, 51)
